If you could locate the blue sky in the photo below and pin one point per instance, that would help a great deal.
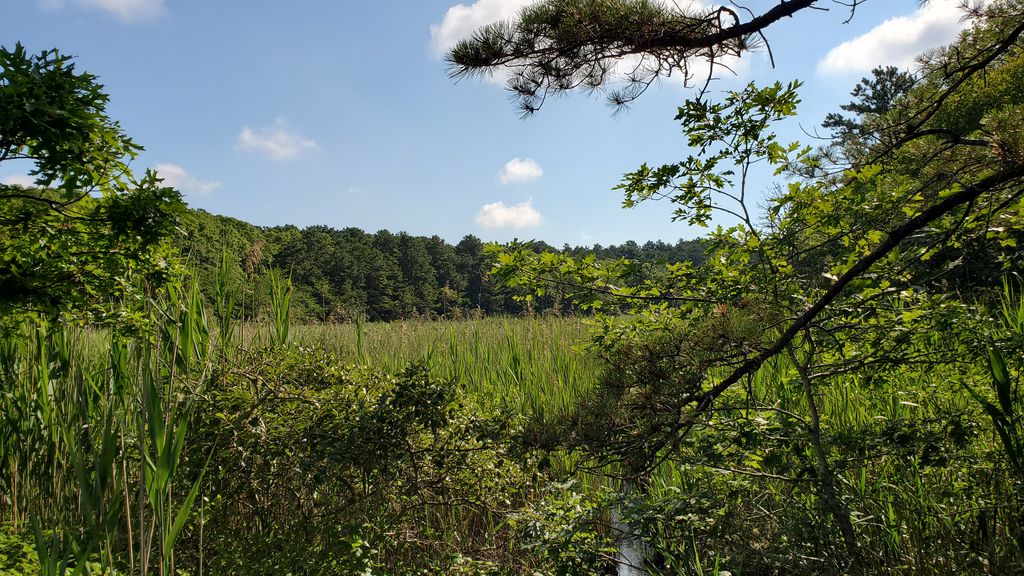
(341, 113)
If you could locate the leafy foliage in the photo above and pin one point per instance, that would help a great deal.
(846, 272)
(326, 469)
(88, 236)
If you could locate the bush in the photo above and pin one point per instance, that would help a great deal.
(321, 468)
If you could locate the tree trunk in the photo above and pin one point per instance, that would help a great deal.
(840, 512)
(629, 559)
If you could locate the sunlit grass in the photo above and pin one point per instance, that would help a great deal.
(909, 511)
(531, 365)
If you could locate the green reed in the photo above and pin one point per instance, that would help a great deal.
(93, 428)
(530, 365)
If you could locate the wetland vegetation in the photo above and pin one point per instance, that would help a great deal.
(829, 386)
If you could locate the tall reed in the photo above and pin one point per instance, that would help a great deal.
(93, 429)
(531, 365)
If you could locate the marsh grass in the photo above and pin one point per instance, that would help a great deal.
(95, 426)
(914, 460)
(534, 366)
(93, 429)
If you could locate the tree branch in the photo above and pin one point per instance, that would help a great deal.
(893, 239)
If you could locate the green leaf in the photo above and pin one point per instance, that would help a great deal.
(1001, 379)
(183, 512)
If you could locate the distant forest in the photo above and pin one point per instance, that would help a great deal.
(348, 274)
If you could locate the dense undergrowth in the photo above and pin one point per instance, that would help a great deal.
(180, 452)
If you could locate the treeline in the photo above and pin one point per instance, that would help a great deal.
(348, 274)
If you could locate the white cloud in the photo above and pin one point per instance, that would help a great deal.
(699, 69)
(498, 215)
(127, 10)
(19, 180)
(897, 41)
(460, 21)
(176, 177)
(278, 143)
(520, 171)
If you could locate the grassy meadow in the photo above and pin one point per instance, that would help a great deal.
(530, 365)
(318, 448)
